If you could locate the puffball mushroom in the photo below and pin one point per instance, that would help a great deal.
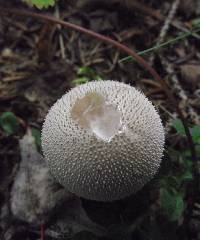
(103, 140)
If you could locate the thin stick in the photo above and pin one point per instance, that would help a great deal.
(61, 41)
(130, 52)
(170, 17)
(42, 232)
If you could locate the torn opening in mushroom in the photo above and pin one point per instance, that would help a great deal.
(95, 114)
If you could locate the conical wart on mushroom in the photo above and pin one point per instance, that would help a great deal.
(103, 140)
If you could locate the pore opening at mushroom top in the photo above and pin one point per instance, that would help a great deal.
(93, 113)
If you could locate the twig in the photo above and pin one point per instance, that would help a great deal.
(130, 52)
(178, 25)
(42, 232)
(61, 41)
(177, 86)
(156, 14)
(168, 21)
(165, 26)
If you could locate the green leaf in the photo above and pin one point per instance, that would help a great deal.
(81, 80)
(198, 150)
(196, 134)
(85, 74)
(40, 3)
(172, 204)
(37, 136)
(196, 23)
(178, 125)
(9, 123)
(89, 73)
(186, 176)
(85, 71)
(170, 181)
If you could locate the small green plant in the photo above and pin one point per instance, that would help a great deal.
(40, 3)
(172, 203)
(173, 186)
(37, 137)
(9, 123)
(196, 22)
(195, 132)
(84, 75)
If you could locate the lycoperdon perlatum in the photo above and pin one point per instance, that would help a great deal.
(103, 140)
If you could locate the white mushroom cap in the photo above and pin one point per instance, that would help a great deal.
(103, 140)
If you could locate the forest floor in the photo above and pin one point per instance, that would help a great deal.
(40, 61)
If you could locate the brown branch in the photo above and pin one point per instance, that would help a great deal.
(130, 52)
